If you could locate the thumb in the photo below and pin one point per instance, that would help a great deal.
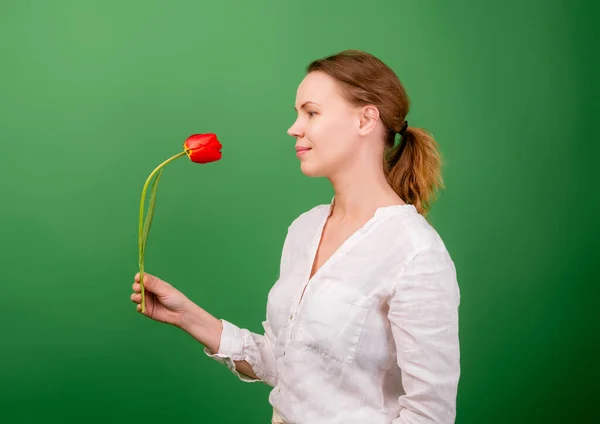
(155, 285)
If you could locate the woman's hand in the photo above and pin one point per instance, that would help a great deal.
(164, 302)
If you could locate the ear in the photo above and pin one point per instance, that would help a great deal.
(369, 118)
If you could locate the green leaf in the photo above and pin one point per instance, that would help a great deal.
(150, 213)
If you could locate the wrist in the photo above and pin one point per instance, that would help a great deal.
(201, 325)
(190, 316)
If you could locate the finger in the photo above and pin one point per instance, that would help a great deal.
(136, 278)
(137, 287)
(138, 307)
(146, 277)
(136, 297)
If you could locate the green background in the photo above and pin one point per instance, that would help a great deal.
(94, 95)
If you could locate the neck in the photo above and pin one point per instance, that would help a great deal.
(359, 194)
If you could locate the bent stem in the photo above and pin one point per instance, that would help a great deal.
(143, 232)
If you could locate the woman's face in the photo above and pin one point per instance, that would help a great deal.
(326, 127)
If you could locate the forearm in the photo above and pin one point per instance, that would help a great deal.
(207, 329)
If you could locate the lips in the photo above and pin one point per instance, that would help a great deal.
(302, 148)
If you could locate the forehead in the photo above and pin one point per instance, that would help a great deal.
(317, 87)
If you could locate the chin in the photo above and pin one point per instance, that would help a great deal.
(311, 171)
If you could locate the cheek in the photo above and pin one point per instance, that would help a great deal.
(315, 131)
(329, 133)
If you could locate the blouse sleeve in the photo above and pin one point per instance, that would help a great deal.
(239, 344)
(424, 321)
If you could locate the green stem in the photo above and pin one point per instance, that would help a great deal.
(141, 223)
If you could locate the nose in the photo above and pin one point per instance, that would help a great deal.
(295, 130)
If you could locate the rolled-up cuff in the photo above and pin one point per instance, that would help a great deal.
(231, 349)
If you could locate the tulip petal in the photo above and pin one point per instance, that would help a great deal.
(203, 148)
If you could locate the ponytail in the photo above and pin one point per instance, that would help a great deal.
(413, 169)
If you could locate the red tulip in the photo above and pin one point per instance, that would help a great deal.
(203, 148)
(200, 148)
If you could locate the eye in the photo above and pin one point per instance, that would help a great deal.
(311, 113)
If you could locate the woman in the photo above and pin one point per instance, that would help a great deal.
(362, 324)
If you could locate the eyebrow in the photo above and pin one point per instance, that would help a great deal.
(304, 104)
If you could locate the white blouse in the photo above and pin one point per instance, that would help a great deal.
(374, 338)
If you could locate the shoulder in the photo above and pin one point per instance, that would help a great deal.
(411, 234)
(420, 259)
